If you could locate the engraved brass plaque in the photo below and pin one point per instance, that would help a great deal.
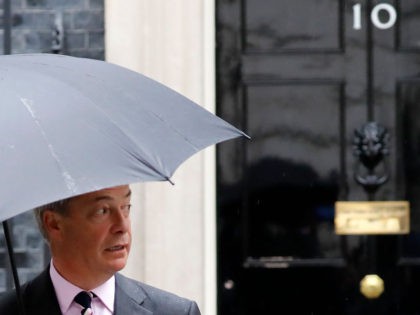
(372, 217)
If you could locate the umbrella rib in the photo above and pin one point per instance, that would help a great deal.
(176, 131)
(128, 137)
(70, 182)
(142, 161)
(68, 179)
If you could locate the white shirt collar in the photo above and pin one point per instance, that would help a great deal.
(66, 291)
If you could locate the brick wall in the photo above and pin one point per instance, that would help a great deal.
(33, 23)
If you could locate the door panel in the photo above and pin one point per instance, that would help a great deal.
(290, 189)
(300, 77)
(270, 28)
(408, 97)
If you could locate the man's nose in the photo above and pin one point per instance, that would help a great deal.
(120, 221)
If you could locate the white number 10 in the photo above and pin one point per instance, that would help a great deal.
(374, 16)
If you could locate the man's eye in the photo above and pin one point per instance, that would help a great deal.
(102, 211)
(126, 208)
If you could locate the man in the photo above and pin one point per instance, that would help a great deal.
(89, 238)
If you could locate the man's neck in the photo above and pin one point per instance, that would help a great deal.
(73, 275)
(66, 291)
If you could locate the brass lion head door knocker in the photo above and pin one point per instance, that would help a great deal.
(370, 145)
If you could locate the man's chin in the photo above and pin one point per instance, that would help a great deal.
(118, 264)
(116, 260)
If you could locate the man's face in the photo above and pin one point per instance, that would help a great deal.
(93, 238)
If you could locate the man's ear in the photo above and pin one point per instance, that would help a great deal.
(52, 224)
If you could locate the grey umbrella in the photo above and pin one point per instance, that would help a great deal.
(73, 125)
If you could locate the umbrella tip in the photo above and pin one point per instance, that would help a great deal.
(170, 181)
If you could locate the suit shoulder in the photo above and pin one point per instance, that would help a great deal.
(159, 301)
(38, 289)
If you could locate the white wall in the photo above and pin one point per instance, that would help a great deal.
(173, 226)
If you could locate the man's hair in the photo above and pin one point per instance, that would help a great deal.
(59, 206)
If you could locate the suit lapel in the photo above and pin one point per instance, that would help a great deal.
(129, 297)
(39, 296)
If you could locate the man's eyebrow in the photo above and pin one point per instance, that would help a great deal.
(106, 197)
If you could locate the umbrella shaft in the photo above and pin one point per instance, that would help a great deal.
(7, 25)
(13, 266)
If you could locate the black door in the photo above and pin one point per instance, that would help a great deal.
(300, 76)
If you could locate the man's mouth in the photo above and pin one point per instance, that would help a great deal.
(115, 248)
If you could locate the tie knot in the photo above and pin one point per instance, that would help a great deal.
(84, 299)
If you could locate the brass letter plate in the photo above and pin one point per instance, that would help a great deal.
(372, 217)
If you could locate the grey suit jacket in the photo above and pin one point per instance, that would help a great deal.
(131, 298)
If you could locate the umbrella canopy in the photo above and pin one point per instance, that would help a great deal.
(72, 125)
